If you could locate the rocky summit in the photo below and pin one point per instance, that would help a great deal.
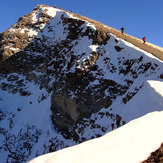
(65, 79)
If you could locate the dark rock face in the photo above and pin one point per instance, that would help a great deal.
(75, 98)
(156, 156)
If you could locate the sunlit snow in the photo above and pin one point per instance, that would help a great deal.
(130, 143)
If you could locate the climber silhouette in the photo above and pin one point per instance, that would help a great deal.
(122, 30)
(144, 40)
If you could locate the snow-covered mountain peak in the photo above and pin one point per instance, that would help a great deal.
(70, 80)
(19, 35)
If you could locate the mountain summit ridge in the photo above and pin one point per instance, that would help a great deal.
(68, 81)
(45, 17)
(157, 51)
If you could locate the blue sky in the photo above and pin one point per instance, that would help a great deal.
(139, 17)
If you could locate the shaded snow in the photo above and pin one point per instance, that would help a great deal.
(148, 99)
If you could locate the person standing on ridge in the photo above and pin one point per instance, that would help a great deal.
(144, 40)
(122, 30)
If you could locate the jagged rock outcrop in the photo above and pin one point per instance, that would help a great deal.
(156, 156)
(19, 35)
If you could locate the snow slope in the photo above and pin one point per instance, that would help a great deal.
(131, 143)
(148, 99)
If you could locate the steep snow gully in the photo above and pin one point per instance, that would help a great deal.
(66, 79)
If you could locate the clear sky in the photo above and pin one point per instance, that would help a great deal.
(139, 17)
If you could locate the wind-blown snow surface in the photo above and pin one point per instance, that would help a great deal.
(26, 129)
(131, 143)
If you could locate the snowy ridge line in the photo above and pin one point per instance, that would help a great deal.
(155, 50)
(130, 143)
